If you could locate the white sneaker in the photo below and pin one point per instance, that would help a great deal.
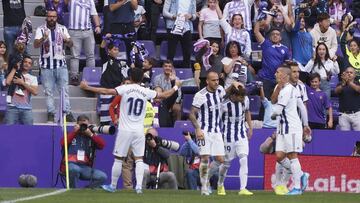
(19, 92)
(204, 191)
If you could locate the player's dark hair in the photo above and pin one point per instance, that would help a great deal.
(136, 75)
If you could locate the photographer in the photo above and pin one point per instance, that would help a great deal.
(356, 151)
(19, 110)
(82, 143)
(156, 156)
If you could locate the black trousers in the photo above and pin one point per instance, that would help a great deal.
(186, 45)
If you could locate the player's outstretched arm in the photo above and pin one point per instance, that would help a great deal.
(99, 90)
(168, 93)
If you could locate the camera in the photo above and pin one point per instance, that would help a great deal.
(102, 129)
(304, 7)
(168, 144)
(192, 134)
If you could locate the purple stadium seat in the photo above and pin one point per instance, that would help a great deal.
(164, 51)
(161, 29)
(255, 46)
(255, 104)
(184, 125)
(187, 103)
(184, 73)
(334, 81)
(92, 75)
(3, 104)
(150, 46)
(66, 19)
(156, 71)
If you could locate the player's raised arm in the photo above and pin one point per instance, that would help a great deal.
(99, 90)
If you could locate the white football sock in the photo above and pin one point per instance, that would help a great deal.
(243, 171)
(204, 172)
(139, 173)
(222, 172)
(296, 171)
(116, 172)
(214, 167)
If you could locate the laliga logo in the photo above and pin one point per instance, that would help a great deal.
(329, 185)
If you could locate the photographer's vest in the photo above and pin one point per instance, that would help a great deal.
(81, 150)
(149, 116)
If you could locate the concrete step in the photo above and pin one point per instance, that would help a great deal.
(40, 117)
(77, 103)
(74, 91)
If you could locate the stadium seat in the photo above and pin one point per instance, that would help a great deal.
(183, 124)
(255, 104)
(186, 104)
(335, 107)
(334, 81)
(164, 51)
(66, 19)
(161, 29)
(150, 47)
(184, 73)
(3, 104)
(92, 75)
(189, 89)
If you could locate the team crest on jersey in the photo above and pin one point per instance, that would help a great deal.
(282, 51)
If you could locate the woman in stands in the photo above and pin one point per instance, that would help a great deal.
(209, 23)
(3, 62)
(235, 31)
(351, 49)
(323, 65)
(337, 8)
(236, 67)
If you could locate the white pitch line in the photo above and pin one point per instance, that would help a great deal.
(36, 196)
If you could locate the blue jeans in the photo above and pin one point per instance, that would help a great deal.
(193, 178)
(84, 172)
(58, 78)
(15, 115)
(10, 35)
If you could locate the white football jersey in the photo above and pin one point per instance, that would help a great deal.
(289, 118)
(209, 104)
(133, 106)
(302, 89)
(233, 120)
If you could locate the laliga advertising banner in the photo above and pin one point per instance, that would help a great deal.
(327, 173)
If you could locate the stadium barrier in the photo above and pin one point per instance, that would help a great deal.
(36, 150)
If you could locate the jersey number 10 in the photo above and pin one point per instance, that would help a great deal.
(135, 106)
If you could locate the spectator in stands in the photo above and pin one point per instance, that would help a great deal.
(349, 100)
(319, 105)
(81, 32)
(268, 111)
(282, 22)
(273, 54)
(14, 15)
(19, 111)
(59, 6)
(235, 32)
(122, 18)
(113, 74)
(322, 32)
(356, 151)
(140, 23)
(156, 156)
(236, 68)
(179, 16)
(208, 26)
(147, 65)
(301, 41)
(52, 37)
(214, 61)
(82, 145)
(155, 7)
(241, 7)
(337, 8)
(351, 50)
(172, 105)
(323, 65)
(284, 5)
(255, 11)
(3, 63)
(317, 7)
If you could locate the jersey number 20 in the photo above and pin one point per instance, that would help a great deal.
(135, 106)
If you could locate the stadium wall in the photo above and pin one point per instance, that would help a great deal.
(36, 150)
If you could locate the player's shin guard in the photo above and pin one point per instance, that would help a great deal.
(243, 171)
(214, 167)
(222, 172)
(204, 171)
(296, 171)
(116, 172)
(139, 173)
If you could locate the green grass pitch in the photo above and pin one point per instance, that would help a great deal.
(180, 196)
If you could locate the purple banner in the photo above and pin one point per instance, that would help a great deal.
(36, 150)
